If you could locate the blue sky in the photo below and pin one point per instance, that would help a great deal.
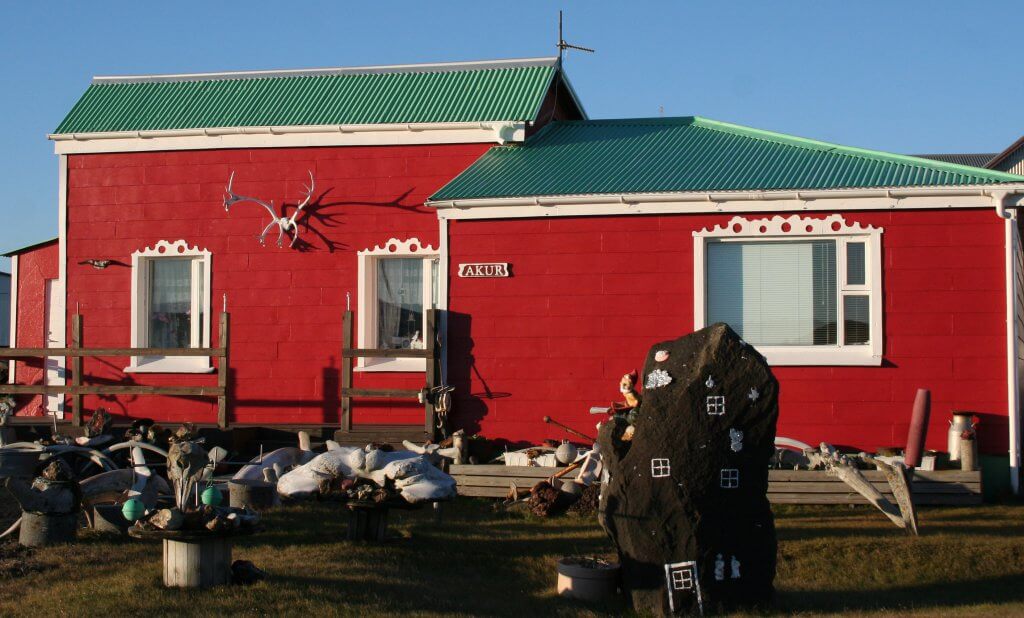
(907, 76)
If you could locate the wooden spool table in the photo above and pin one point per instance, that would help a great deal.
(195, 558)
(368, 520)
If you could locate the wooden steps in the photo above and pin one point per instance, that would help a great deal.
(944, 487)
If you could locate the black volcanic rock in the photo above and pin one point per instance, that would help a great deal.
(686, 499)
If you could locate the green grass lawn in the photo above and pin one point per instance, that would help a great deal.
(968, 561)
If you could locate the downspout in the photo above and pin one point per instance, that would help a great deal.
(1012, 377)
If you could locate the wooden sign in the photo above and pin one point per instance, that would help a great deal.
(497, 269)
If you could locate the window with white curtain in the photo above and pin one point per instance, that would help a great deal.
(803, 291)
(170, 306)
(398, 283)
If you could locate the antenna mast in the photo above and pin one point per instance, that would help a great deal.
(562, 45)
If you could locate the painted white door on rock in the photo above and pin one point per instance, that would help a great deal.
(56, 369)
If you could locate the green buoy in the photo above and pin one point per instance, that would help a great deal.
(211, 496)
(133, 509)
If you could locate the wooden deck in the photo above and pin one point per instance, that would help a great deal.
(941, 487)
(361, 435)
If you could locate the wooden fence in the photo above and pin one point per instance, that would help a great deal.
(363, 434)
(947, 487)
(76, 352)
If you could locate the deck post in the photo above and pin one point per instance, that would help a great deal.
(429, 422)
(76, 371)
(222, 371)
(346, 372)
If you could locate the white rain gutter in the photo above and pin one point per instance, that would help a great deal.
(503, 130)
(1013, 377)
(653, 198)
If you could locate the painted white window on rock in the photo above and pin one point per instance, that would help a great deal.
(398, 283)
(803, 291)
(170, 306)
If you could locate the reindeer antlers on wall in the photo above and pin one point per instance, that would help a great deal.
(284, 224)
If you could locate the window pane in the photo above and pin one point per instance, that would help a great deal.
(856, 312)
(774, 293)
(400, 303)
(855, 267)
(201, 321)
(170, 303)
(824, 276)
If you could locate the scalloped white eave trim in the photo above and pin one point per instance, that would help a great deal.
(164, 248)
(394, 246)
(794, 225)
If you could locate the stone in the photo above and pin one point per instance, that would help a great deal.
(685, 500)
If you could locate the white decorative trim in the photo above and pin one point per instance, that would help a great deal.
(62, 240)
(778, 228)
(291, 137)
(884, 198)
(394, 246)
(54, 296)
(442, 292)
(794, 225)
(367, 296)
(11, 364)
(166, 249)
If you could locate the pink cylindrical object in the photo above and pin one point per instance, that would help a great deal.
(918, 428)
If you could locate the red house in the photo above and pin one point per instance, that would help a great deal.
(557, 249)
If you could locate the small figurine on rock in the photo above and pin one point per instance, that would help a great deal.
(627, 386)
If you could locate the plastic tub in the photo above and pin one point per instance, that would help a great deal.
(587, 579)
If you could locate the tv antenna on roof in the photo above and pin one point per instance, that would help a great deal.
(563, 46)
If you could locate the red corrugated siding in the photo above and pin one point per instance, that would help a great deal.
(34, 268)
(285, 304)
(589, 296)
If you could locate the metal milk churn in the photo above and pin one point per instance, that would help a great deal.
(961, 422)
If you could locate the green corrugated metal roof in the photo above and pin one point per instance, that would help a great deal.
(691, 154)
(458, 92)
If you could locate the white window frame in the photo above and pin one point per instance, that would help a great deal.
(795, 227)
(661, 467)
(367, 316)
(141, 260)
(729, 478)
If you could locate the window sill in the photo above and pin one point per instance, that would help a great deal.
(406, 365)
(170, 365)
(793, 356)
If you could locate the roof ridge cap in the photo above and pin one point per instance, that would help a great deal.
(429, 67)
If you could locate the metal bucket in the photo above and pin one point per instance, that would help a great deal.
(18, 462)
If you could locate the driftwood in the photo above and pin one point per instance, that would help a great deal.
(902, 513)
(896, 475)
(117, 485)
(279, 461)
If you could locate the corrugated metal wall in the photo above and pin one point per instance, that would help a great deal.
(1014, 163)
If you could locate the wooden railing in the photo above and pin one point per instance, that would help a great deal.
(350, 354)
(77, 388)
